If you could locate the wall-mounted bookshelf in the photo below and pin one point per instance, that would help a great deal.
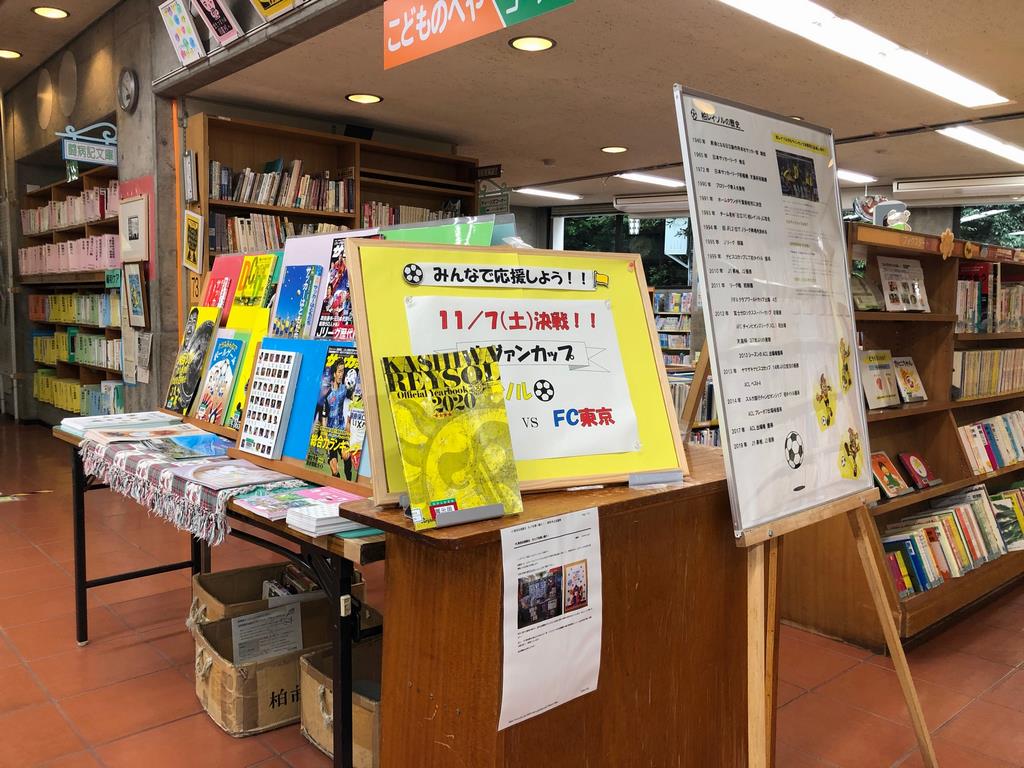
(823, 587)
(54, 219)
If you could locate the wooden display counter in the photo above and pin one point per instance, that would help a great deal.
(672, 687)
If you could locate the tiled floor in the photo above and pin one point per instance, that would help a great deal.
(127, 699)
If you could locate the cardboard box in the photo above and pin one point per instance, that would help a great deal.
(259, 695)
(224, 594)
(318, 702)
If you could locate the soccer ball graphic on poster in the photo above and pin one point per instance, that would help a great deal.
(794, 448)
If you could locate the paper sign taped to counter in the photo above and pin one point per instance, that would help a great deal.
(552, 614)
(262, 635)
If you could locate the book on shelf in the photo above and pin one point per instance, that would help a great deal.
(84, 254)
(222, 281)
(908, 380)
(919, 471)
(268, 407)
(92, 205)
(221, 377)
(196, 343)
(256, 281)
(285, 186)
(378, 214)
(259, 232)
(878, 378)
(339, 417)
(986, 372)
(993, 443)
(672, 301)
(866, 296)
(672, 323)
(295, 309)
(887, 476)
(975, 289)
(903, 285)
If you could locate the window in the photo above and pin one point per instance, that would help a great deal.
(665, 245)
(998, 224)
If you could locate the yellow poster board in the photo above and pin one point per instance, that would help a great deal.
(586, 391)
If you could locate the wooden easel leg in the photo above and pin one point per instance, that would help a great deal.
(757, 731)
(860, 519)
(772, 564)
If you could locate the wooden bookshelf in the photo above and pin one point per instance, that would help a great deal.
(68, 282)
(822, 586)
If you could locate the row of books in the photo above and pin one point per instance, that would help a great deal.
(709, 436)
(993, 443)
(987, 372)
(102, 309)
(672, 323)
(987, 301)
(674, 340)
(92, 205)
(82, 255)
(376, 214)
(678, 359)
(258, 232)
(100, 351)
(679, 386)
(286, 189)
(672, 301)
(107, 397)
(957, 535)
(44, 349)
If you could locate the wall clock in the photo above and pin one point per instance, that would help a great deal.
(128, 90)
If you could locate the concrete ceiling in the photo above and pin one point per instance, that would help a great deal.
(36, 38)
(608, 81)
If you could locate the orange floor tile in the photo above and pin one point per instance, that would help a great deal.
(127, 698)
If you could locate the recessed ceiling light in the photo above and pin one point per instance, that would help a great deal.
(48, 12)
(982, 215)
(614, 150)
(548, 193)
(646, 178)
(855, 178)
(532, 44)
(821, 26)
(985, 141)
(797, 118)
(8, 54)
(364, 98)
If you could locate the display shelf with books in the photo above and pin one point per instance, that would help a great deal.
(917, 324)
(69, 233)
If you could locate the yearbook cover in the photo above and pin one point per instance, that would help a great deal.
(339, 420)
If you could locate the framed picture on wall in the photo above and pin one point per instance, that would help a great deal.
(218, 19)
(133, 223)
(134, 288)
(192, 242)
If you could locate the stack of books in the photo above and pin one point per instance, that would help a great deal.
(319, 520)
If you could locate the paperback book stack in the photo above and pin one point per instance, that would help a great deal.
(319, 520)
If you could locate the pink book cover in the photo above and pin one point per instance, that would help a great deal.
(329, 495)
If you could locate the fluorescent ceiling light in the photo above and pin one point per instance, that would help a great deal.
(821, 26)
(982, 215)
(854, 178)
(985, 141)
(6, 53)
(646, 178)
(548, 193)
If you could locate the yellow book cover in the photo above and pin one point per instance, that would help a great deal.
(255, 281)
(255, 320)
(903, 569)
(196, 342)
(449, 414)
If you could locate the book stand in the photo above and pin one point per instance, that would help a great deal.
(764, 544)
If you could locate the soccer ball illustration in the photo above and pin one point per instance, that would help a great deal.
(794, 450)
(544, 390)
(413, 274)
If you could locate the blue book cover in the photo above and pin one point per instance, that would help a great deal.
(990, 435)
(219, 381)
(307, 388)
(1009, 427)
(294, 299)
(915, 568)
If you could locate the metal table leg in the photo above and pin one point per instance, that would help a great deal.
(78, 487)
(341, 638)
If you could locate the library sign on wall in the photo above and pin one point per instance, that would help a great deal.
(417, 28)
(775, 284)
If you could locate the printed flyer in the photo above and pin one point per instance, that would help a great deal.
(552, 614)
(777, 307)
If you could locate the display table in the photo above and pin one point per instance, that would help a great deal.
(672, 687)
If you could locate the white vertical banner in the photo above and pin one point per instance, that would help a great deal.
(774, 280)
(552, 614)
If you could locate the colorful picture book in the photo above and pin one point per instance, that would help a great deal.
(136, 434)
(887, 476)
(993, 443)
(196, 344)
(253, 320)
(339, 421)
(256, 281)
(903, 285)
(920, 473)
(454, 439)
(270, 403)
(908, 380)
(275, 505)
(878, 378)
(221, 376)
(186, 447)
(295, 309)
(222, 282)
(227, 473)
